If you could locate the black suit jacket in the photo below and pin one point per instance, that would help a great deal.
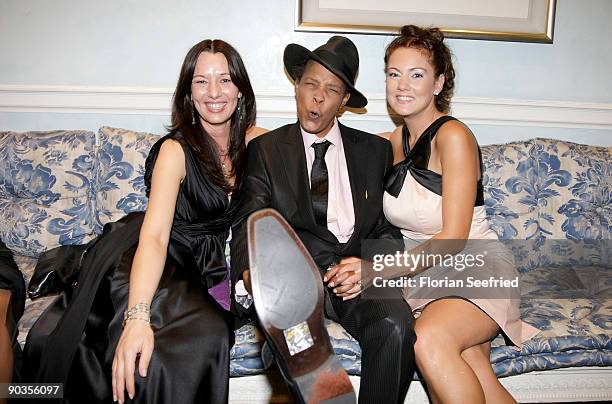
(276, 177)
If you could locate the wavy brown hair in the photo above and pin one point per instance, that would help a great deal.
(430, 40)
(194, 134)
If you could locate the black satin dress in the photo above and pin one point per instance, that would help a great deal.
(193, 334)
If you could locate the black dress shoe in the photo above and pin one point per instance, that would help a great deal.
(288, 295)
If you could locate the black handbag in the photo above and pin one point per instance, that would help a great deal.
(57, 270)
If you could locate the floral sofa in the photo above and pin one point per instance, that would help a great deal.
(550, 199)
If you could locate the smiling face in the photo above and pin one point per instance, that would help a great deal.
(411, 83)
(213, 93)
(319, 94)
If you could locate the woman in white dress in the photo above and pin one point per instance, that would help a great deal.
(434, 193)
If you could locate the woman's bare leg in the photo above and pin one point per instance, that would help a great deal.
(478, 359)
(445, 329)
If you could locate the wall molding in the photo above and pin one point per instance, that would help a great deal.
(280, 104)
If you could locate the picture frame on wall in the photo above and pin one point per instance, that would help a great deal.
(501, 20)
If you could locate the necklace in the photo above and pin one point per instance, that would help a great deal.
(223, 160)
(223, 154)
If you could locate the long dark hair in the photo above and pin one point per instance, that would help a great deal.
(194, 134)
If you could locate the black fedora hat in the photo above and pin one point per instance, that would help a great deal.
(339, 56)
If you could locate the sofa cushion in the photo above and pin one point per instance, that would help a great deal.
(250, 354)
(572, 308)
(553, 353)
(575, 203)
(245, 355)
(46, 195)
(120, 181)
(510, 183)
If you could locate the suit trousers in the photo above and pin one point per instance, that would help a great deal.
(384, 327)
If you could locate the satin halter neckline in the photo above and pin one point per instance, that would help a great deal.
(417, 160)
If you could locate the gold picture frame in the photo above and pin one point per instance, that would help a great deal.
(500, 20)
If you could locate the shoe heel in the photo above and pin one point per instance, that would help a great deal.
(327, 384)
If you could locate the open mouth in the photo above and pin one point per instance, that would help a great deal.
(404, 98)
(313, 115)
(215, 106)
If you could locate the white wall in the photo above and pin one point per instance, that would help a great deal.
(74, 64)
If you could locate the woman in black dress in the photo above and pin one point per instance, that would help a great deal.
(173, 324)
(166, 339)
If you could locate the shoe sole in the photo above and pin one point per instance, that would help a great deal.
(288, 296)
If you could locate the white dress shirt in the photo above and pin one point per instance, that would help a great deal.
(340, 213)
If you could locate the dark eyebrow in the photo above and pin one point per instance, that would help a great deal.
(411, 69)
(304, 78)
(203, 76)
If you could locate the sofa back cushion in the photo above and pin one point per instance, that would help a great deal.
(575, 203)
(46, 192)
(510, 179)
(551, 200)
(120, 181)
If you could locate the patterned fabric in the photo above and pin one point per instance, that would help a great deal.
(554, 194)
(553, 353)
(345, 347)
(251, 355)
(120, 186)
(246, 358)
(579, 213)
(510, 180)
(47, 189)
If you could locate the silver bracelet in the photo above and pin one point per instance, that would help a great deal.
(140, 311)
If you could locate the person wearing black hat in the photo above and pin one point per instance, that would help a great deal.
(326, 180)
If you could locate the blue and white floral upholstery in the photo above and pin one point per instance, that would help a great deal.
(578, 216)
(246, 354)
(565, 259)
(46, 193)
(250, 354)
(510, 180)
(60, 188)
(120, 187)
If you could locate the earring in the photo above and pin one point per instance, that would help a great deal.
(240, 110)
(193, 113)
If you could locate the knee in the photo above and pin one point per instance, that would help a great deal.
(212, 326)
(397, 328)
(432, 345)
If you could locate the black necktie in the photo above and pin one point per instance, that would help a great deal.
(319, 183)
